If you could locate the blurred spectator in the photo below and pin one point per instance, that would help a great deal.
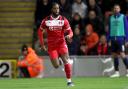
(102, 48)
(55, 1)
(99, 3)
(42, 10)
(106, 21)
(107, 5)
(93, 6)
(75, 42)
(77, 22)
(30, 64)
(97, 24)
(71, 1)
(124, 6)
(65, 9)
(79, 7)
(89, 42)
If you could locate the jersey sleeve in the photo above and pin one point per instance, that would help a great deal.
(40, 30)
(66, 24)
(67, 28)
(43, 25)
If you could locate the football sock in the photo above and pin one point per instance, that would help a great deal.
(116, 64)
(69, 80)
(125, 60)
(68, 71)
(117, 72)
(127, 70)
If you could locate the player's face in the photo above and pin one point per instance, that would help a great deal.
(103, 39)
(55, 10)
(25, 52)
(116, 9)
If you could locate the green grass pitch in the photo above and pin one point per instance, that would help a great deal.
(60, 83)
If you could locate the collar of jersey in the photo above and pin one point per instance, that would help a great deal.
(55, 18)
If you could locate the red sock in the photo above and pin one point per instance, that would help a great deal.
(68, 70)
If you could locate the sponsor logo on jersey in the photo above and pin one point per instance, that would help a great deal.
(54, 24)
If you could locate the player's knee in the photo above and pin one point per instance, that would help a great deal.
(56, 66)
(122, 55)
(65, 60)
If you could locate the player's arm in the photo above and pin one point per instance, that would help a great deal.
(68, 29)
(40, 35)
(22, 63)
(70, 33)
(126, 30)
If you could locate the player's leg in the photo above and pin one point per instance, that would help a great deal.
(25, 72)
(116, 65)
(55, 63)
(115, 49)
(123, 56)
(54, 58)
(68, 68)
(125, 61)
(67, 65)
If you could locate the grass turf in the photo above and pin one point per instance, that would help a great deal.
(60, 83)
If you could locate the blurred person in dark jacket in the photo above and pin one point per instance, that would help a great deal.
(92, 5)
(65, 9)
(75, 42)
(77, 22)
(97, 24)
(42, 10)
(80, 7)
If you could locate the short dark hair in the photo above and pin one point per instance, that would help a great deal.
(24, 47)
(116, 5)
(53, 4)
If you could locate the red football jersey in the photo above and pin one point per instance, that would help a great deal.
(56, 27)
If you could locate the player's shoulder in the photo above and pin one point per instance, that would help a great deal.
(45, 19)
(63, 17)
(122, 15)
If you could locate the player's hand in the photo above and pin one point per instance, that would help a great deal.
(43, 47)
(68, 38)
(82, 48)
(109, 44)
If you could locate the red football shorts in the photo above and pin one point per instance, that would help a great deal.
(54, 53)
